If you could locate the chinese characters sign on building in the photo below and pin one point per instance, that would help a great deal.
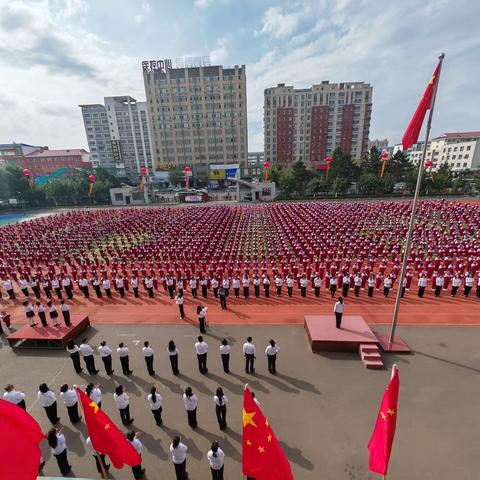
(161, 65)
(116, 150)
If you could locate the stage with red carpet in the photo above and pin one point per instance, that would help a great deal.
(324, 336)
(50, 336)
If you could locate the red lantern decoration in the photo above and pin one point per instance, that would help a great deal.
(266, 166)
(385, 155)
(429, 164)
(187, 176)
(27, 172)
(143, 170)
(328, 161)
(92, 178)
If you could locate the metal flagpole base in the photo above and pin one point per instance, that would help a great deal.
(397, 346)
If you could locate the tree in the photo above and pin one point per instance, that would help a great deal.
(175, 177)
(316, 184)
(372, 162)
(342, 167)
(369, 183)
(287, 183)
(387, 183)
(275, 172)
(442, 178)
(340, 185)
(400, 166)
(301, 175)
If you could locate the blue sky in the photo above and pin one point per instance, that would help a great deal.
(57, 54)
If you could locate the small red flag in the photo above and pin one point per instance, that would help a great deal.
(19, 442)
(262, 456)
(413, 130)
(105, 436)
(380, 444)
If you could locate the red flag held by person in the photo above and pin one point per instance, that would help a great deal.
(19, 442)
(105, 436)
(413, 130)
(380, 444)
(262, 456)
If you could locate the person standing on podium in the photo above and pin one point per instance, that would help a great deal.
(338, 310)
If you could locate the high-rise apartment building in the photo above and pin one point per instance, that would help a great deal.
(118, 136)
(198, 115)
(308, 124)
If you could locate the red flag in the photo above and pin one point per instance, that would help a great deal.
(413, 130)
(380, 444)
(19, 441)
(262, 456)
(105, 436)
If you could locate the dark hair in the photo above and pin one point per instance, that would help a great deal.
(37, 303)
(103, 343)
(200, 338)
(340, 299)
(171, 346)
(119, 390)
(272, 342)
(84, 340)
(49, 303)
(199, 309)
(153, 391)
(52, 438)
(253, 394)
(89, 389)
(249, 339)
(64, 388)
(120, 345)
(188, 391)
(43, 388)
(175, 441)
(9, 387)
(130, 435)
(62, 301)
(145, 343)
(214, 448)
(25, 303)
(70, 344)
(224, 341)
(219, 394)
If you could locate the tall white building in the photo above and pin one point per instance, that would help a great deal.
(308, 124)
(118, 136)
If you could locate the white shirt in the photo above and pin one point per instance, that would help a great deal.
(246, 282)
(278, 281)
(266, 281)
(190, 402)
(179, 454)
(104, 351)
(204, 282)
(23, 284)
(387, 282)
(172, 353)
(147, 351)
(137, 445)
(303, 282)
(75, 349)
(55, 283)
(202, 312)
(290, 282)
(157, 404)
(122, 400)
(236, 283)
(96, 395)
(119, 282)
(14, 396)
(439, 281)
(216, 462)
(216, 400)
(457, 281)
(214, 283)
(249, 349)
(180, 283)
(7, 284)
(338, 308)
(69, 397)
(64, 307)
(122, 351)
(179, 300)
(201, 347)
(371, 282)
(468, 281)
(86, 350)
(256, 281)
(422, 282)
(66, 282)
(46, 399)
(106, 284)
(317, 282)
(357, 281)
(272, 350)
(333, 281)
(225, 349)
(226, 283)
(61, 445)
(169, 281)
(149, 282)
(134, 282)
(83, 282)
(193, 283)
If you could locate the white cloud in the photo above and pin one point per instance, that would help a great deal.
(145, 8)
(204, 4)
(277, 24)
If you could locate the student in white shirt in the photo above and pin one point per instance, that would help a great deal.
(216, 458)
(256, 285)
(14, 396)
(86, 351)
(70, 399)
(371, 285)
(225, 354)
(173, 356)
(8, 286)
(94, 393)
(52, 311)
(41, 314)
(58, 445)
(303, 285)
(226, 285)
(23, 284)
(246, 286)
(201, 348)
(357, 283)
(155, 402)
(338, 311)
(178, 451)
(35, 284)
(30, 313)
(290, 283)
(215, 285)
(438, 285)
(148, 354)
(204, 286)
(179, 301)
(468, 284)
(74, 352)
(134, 284)
(107, 287)
(149, 286)
(191, 402)
(67, 285)
(132, 437)
(236, 286)
(122, 351)
(456, 283)
(271, 353)
(47, 288)
(193, 287)
(221, 401)
(422, 284)
(387, 285)
(317, 283)
(66, 313)
(122, 401)
(266, 285)
(48, 401)
(333, 285)
(83, 285)
(249, 353)
(278, 285)
(106, 355)
(202, 313)
(119, 283)
(96, 287)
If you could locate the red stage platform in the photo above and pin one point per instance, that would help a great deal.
(50, 336)
(324, 336)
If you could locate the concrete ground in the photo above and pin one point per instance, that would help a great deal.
(321, 407)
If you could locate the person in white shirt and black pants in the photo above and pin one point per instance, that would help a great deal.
(48, 400)
(271, 353)
(134, 284)
(179, 300)
(122, 351)
(132, 437)
(148, 354)
(221, 401)
(106, 355)
(155, 402)
(173, 356)
(178, 451)
(57, 443)
(201, 348)
(74, 352)
(87, 353)
(250, 354)
(66, 313)
(216, 457)
(202, 313)
(69, 397)
(225, 354)
(191, 402)
(338, 311)
(122, 401)
(14, 396)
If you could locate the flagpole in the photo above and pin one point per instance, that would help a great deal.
(102, 466)
(408, 242)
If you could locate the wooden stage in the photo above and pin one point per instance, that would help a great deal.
(50, 336)
(324, 336)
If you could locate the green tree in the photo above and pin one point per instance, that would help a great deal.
(442, 178)
(342, 167)
(287, 183)
(175, 177)
(316, 185)
(340, 185)
(369, 183)
(400, 166)
(275, 172)
(301, 175)
(387, 183)
(372, 162)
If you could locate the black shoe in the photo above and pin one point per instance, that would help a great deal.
(129, 372)
(131, 421)
(110, 373)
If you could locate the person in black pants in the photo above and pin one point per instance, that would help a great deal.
(74, 352)
(123, 352)
(271, 353)
(137, 470)
(65, 312)
(338, 310)
(48, 400)
(202, 312)
(220, 401)
(87, 353)
(250, 353)
(223, 298)
(173, 355)
(225, 354)
(47, 289)
(106, 355)
(56, 441)
(69, 397)
(155, 401)
(41, 314)
(148, 354)
(201, 348)
(123, 404)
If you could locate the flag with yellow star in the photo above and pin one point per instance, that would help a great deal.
(380, 444)
(105, 436)
(262, 456)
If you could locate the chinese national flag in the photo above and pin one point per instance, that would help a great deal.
(262, 456)
(413, 130)
(380, 444)
(105, 436)
(19, 442)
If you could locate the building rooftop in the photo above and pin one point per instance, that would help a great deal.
(45, 152)
(460, 135)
